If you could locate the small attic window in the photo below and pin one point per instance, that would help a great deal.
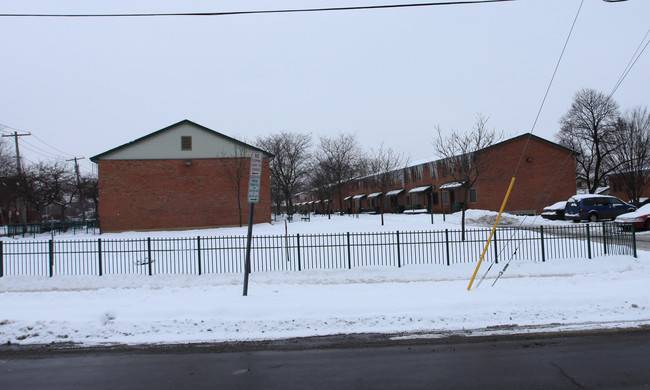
(186, 142)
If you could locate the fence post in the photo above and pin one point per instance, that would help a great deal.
(349, 253)
(496, 250)
(149, 254)
(447, 244)
(588, 243)
(604, 238)
(633, 247)
(2, 261)
(541, 233)
(99, 255)
(51, 256)
(298, 247)
(399, 258)
(198, 252)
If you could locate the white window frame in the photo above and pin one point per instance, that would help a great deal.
(473, 190)
(445, 198)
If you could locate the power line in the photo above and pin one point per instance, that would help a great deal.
(36, 150)
(231, 13)
(635, 57)
(50, 146)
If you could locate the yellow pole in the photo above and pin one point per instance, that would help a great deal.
(494, 228)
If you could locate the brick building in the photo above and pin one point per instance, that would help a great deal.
(617, 188)
(176, 178)
(546, 175)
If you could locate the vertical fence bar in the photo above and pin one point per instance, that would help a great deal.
(588, 243)
(496, 250)
(447, 244)
(633, 247)
(51, 256)
(149, 254)
(604, 238)
(99, 256)
(198, 253)
(2, 261)
(541, 234)
(298, 248)
(349, 253)
(399, 258)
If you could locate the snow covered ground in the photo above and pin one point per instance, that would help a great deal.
(412, 301)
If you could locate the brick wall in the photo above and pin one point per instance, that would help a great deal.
(546, 175)
(167, 194)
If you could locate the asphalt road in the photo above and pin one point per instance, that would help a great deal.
(600, 360)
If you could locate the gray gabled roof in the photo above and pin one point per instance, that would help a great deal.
(183, 122)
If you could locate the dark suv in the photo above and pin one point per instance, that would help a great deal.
(592, 207)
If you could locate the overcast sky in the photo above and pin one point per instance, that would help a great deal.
(84, 86)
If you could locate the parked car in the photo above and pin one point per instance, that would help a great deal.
(554, 211)
(593, 207)
(640, 218)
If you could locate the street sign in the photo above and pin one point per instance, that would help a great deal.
(255, 178)
(256, 164)
(253, 190)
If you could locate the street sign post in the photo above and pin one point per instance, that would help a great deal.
(254, 183)
(255, 178)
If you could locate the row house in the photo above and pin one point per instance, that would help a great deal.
(546, 174)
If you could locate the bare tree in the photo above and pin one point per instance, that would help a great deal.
(60, 183)
(632, 161)
(289, 168)
(321, 184)
(341, 159)
(89, 189)
(237, 172)
(464, 156)
(589, 129)
(384, 166)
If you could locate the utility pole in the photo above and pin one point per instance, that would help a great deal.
(81, 196)
(15, 135)
(21, 205)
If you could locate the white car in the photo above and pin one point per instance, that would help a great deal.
(554, 211)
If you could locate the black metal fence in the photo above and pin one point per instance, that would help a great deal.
(54, 227)
(201, 255)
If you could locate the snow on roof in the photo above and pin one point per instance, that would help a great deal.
(556, 206)
(395, 192)
(347, 197)
(582, 196)
(374, 195)
(452, 184)
(419, 189)
(358, 196)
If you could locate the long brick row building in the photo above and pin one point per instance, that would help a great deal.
(546, 175)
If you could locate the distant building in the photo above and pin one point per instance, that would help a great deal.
(546, 175)
(9, 205)
(178, 178)
(618, 180)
